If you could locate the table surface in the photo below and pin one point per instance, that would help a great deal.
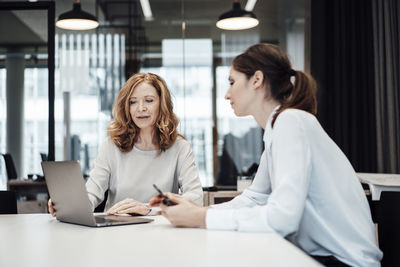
(21, 182)
(40, 240)
(383, 179)
(379, 182)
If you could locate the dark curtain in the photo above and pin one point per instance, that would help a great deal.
(386, 29)
(342, 61)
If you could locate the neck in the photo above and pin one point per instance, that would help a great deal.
(262, 109)
(145, 140)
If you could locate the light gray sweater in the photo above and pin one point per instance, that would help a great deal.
(132, 174)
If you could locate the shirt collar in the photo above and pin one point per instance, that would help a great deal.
(268, 128)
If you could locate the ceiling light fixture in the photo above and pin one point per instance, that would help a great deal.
(250, 5)
(148, 15)
(77, 19)
(237, 19)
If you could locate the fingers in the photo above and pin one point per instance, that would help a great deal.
(185, 213)
(169, 211)
(129, 206)
(118, 206)
(164, 211)
(123, 207)
(52, 211)
(115, 207)
(137, 210)
(155, 201)
(175, 198)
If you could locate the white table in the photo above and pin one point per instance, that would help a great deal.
(379, 182)
(39, 240)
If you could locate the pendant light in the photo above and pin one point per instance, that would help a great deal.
(237, 19)
(76, 19)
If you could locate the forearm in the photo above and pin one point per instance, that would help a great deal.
(248, 198)
(196, 196)
(253, 219)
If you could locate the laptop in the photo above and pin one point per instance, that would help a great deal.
(68, 192)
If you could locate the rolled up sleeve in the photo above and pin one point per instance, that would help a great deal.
(290, 173)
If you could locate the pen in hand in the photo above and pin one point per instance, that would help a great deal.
(165, 200)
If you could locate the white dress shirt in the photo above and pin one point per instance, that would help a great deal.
(132, 174)
(305, 190)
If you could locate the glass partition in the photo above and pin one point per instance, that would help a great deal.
(24, 90)
(180, 42)
(89, 73)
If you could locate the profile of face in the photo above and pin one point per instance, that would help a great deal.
(144, 106)
(240, 93)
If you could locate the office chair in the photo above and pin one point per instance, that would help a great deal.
(388, 218)
(10, 167)
(8, 202)
(44, 157)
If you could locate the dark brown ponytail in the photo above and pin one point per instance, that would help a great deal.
(277, 71)
(303, 95)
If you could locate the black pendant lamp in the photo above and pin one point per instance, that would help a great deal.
(237, 19)
(76, 19)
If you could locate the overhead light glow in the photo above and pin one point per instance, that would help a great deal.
(148, 15)
(77, 24)
(237, 23)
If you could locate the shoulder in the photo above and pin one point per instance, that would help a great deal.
(291, 117)
(181, 145)
(293, 123)
(293, 113)
(109, 145)
(107, 151)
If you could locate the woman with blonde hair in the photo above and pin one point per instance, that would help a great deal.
(143, 148)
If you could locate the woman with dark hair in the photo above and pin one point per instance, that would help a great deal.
(305, 188)
(143, 148)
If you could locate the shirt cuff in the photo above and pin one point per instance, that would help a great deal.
(220, 219)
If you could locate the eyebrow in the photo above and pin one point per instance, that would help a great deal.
(144, 96)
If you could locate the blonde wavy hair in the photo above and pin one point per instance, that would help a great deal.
(123, 131)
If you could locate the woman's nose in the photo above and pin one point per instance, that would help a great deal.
(141, 106)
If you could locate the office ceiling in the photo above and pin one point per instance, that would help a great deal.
(200, 17)
(14, 30)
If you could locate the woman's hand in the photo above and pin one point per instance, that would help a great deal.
(184, 214)
(51, 208)
(129, 206)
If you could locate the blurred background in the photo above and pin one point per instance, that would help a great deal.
(57, 86)
(179, 41)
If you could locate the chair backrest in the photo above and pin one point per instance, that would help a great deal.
(44, 157)
(8, 202)
(10, 167)
(388, 218)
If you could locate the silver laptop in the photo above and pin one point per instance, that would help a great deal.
(68, 192)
